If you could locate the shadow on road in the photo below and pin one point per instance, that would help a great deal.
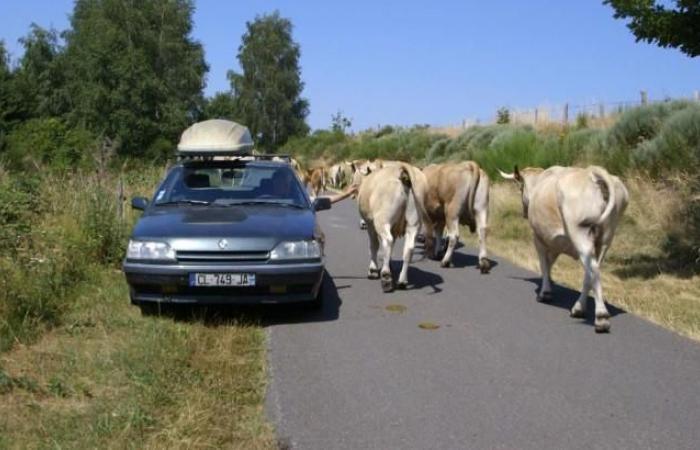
(564, 297)
(265, 315)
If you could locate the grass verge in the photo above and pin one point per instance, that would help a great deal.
(109, 378)
(637, 274)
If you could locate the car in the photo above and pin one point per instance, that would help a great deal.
(226, 228)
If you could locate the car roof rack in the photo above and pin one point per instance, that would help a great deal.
(228, 156)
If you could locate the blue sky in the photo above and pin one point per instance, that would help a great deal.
(408, 62)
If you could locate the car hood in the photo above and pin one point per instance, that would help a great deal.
(251, 227)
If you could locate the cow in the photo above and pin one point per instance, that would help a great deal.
(390, 201)
(315, 178)
(458, 193)
(573, 211)
(360, 169)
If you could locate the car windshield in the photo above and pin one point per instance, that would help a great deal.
(228, 184)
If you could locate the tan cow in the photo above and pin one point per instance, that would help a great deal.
(391, 203)
(573, 211)
(316, 179)
(458, 193)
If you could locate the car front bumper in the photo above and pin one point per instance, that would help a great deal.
(274, 284)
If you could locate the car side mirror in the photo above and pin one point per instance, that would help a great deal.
(322, 203)
(139, 203)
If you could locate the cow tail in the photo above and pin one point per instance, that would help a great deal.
(407, 177)
(473, 186)
(607, 186)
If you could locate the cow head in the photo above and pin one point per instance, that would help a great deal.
(526, 180)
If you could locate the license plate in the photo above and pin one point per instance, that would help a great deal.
(222, 279)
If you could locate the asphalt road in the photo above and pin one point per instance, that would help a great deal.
(501, 372)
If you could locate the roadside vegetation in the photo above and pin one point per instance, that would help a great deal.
(79, 366)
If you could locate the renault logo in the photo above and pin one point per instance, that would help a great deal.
(223, 244)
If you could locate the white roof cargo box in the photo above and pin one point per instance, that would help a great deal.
(215, 137)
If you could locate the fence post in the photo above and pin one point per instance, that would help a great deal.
(566, 113)
(120, 199)
(601, 110)
(643, 97)
(536, 114)
(696, 96)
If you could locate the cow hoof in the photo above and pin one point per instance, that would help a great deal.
(484, 265)
(387, 282)
(373, 274)
(401, 285)
(544, 297)
(446, 264)
(420, 238)
(577, 313)
(602, 323)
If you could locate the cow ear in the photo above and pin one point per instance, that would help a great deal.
(516, 174)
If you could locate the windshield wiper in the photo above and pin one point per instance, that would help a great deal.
(184, 201)
(260, 202)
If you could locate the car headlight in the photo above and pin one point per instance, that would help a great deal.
(150, 251)
(296, 250)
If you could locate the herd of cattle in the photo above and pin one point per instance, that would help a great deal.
(572, 211)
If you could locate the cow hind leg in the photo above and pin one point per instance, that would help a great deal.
(546, 261)
(482, 230)
(452, 237)
(586, 250)
(373, 272)
(409, 244)
(387, 248)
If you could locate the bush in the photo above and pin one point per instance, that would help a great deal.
(49, 142)
(53, 231)
(676, 145)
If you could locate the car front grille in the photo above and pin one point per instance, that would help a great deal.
(206, 257)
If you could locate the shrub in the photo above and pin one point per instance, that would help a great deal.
(676, 145)
(49, 141)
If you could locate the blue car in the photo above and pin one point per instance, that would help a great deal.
(228, 230)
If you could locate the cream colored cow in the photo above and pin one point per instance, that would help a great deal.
(391, 203)
(458, 193)
(573, 211)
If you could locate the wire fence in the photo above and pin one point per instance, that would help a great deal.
(566, 113)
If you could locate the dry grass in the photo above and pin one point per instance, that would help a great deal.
(636, 274)
(110, 378)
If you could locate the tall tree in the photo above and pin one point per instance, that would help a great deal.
(136, 74)
(665, 25)
(5, 78)
(268, 92)
(39, 81)
(221, 106)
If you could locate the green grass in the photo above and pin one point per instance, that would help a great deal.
(109, 378)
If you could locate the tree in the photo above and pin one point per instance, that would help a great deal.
(5, 78)
(503, 115)
(268, 92)
(39, 81)
(665, 25)
(135, 73)
(339, 123)
(221, 106)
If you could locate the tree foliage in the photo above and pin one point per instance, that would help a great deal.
(665, 25)
(221, 106)
(340, 123)
(268, 91)
(134, 72)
